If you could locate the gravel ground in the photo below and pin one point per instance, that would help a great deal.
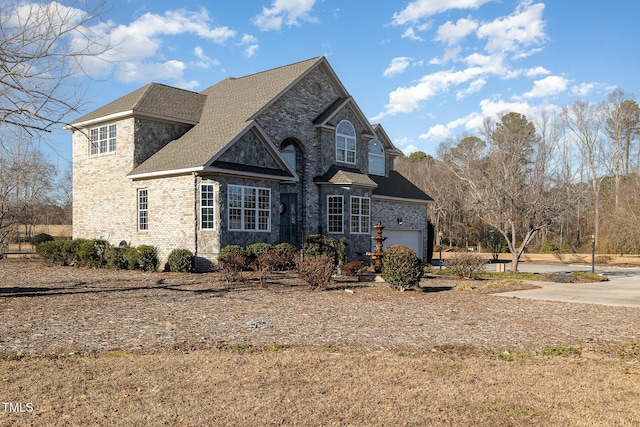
(53, 310)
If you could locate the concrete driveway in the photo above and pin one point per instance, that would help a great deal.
(622, 289)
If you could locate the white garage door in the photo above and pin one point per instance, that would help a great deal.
(410, 238)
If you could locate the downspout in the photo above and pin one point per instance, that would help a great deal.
(195, 214)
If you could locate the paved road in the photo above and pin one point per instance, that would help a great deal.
(622, 289)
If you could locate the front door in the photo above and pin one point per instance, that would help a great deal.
(289, 218)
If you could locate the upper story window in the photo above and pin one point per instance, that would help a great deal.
(249, 208)
(103, 140)
(288, 151)
(376, 158)
(345, 143)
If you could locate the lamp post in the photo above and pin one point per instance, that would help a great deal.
(593, 253)
(440, 247)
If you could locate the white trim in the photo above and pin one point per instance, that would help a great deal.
(360, 215)
(212, 207)
(139, 210)
(126, 114)
(341, 214)
(158, 174)
(347, 138)
(242, 208)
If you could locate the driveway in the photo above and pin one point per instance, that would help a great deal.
(622, 289)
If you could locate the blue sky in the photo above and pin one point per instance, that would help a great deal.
(427, 70)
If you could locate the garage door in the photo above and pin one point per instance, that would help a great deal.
(410, 238)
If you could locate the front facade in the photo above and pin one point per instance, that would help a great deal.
(271, 157)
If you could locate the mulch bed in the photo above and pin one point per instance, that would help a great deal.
(51, 310)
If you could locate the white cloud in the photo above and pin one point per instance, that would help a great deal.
(515, 32)
(583, 89)
(419, 9)
(474, 87)
(289, 12)
(411, 35)
(137, 53)
(407, 99)
(401, 142)
(398, 65)
(250, 45)
(548, 86)
(537, 71)
(450, 33)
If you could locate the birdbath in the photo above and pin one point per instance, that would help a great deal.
(377, 255)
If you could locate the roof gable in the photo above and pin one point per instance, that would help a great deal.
(227, 114)
(153, 100)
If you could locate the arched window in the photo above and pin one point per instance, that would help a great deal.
(345, 143)
(376, 158)
(288, 151)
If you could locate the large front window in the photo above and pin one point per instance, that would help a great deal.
(345, 143)
(207, 221)
(360, 215)
(249, 208)
(334, 214)
(103, 140)
(143, 209)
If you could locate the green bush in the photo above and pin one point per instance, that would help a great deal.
(114, 258)
(147, 257)
(90, 253)
(132, 258)
(52, 251)
(181, 260)
(255, 250)
(40, 238)
(401, 267)
(318, 245)
(235, 256)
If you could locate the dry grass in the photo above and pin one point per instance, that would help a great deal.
(310, 386)
(369, 357)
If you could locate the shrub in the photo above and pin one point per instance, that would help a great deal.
(352, 268)
(465, 264)
(147, 257)
(240, 257)
(132, 257)
(318, 245)
(255, 250)
(40, 238)
(181, 260)
(71, 251)
(401, 267)
(316, 270)
(264, 263)
(114, 258)
(231, 265)
(90, 253)
(52, 252)
(286, 256)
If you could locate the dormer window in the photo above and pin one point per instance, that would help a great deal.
(345, 143)
(103, 140)
(376, 158)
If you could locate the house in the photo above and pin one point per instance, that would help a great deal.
(271, 157)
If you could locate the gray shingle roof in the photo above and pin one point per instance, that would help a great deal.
(344, 176)
(397, 186)
(227, 113)
(154, 99)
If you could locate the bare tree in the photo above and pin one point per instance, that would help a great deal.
(42, 47)
(585, 122)
(506, 180)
